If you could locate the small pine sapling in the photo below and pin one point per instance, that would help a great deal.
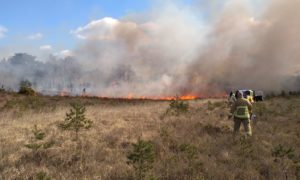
(177, 106)
(75, 119)
(141, 158)
(37, 143)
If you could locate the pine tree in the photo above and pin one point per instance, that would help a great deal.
(38, 143)
(141, 158)
(75, 119)
(26, 88)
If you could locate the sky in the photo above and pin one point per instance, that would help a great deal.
(30, 24)
(44, 26)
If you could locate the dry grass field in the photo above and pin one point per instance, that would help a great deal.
(197, 144)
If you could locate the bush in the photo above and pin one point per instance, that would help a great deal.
(190, 155)
(282, 156)
(75, 119)
(26, 88)
(141, 158)
(38, 142)
(177, 106)
(281, 152)
(41, 175)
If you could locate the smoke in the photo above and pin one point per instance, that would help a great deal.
(246, 52)
(205, 48)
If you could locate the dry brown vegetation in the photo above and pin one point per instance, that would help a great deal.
(197, 144)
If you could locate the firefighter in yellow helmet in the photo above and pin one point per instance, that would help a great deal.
(241, 110)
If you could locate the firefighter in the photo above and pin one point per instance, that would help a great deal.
(241, 111)
(231, 99)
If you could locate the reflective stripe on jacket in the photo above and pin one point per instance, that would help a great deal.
(242, 112)
(242, 108)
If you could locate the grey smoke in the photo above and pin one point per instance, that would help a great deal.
(174, 50)
(261, 54)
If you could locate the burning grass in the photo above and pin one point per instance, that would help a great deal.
(197, 144)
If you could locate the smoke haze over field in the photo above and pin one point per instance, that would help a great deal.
(201, 49)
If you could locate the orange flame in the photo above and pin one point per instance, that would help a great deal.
(133, 97)
(188, 97)
(168, 98)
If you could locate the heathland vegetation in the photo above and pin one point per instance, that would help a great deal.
(90, 138)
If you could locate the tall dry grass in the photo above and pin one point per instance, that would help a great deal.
(198, 144)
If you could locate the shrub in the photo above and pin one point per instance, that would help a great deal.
(75, 120)
(282, 155)
(177, 106)
(191, 155)
(38, 142)
(281, 152)
(26, 88)
(41, 175)
(141, 158)
(190, 150)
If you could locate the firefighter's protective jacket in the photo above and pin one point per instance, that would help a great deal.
(241, 109)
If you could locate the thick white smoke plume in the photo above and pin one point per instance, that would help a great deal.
(202, 49)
